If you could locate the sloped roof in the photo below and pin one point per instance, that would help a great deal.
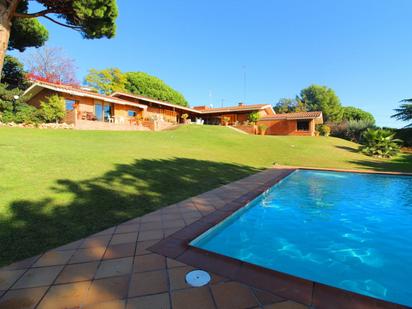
(252, 107)
(292, 116)
(237, 108)
(140, 97)
(37, 86)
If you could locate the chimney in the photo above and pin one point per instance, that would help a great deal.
(201, 108)
(240, 104)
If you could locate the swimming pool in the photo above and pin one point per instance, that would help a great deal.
(347, 230)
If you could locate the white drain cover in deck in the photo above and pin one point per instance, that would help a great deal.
(197, 278)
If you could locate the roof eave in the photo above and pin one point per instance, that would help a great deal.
(80, 94)
(155, 101)
(211, 111)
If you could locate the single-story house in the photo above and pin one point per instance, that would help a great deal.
(87, 109)
(301, 123)
(235, 114)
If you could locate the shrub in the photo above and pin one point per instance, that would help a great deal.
(26, 114)
(13, 107)
(262, 128)
(405, 134)
(356, 128)
(323, 129)
(185, 116)
(53, 109)
(351, 130)
(380, 143)
(254, 117)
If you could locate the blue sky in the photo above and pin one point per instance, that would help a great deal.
(361, 49)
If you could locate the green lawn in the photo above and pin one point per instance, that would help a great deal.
(57, 186)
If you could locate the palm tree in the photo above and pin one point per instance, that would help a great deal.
(404, 112)
(380, 143)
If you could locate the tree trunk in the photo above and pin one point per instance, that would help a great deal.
(6, 14)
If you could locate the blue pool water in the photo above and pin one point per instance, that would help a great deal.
(351, 231)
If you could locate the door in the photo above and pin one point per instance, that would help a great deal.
(98, 110)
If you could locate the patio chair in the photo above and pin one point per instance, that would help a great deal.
(90, 116)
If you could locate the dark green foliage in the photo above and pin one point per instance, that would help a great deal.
(404, 112)
(92, 18)
(15, 110)
(324, 99)
(111, 80)
(405, 134)
(26, 32)
(95, 18)
(13, 73)
(26, 114)
(356, 129)
(351, 130)
(287, 105)
(141, 83)
(354, 113)
(380, 143)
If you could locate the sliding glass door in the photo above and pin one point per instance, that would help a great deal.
(102, 111)
(98, 110)
(107, 111)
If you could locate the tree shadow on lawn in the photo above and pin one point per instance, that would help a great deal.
(401, 163)
(128, 191)
(350, 149)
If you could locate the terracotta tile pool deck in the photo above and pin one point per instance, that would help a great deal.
(142, 263)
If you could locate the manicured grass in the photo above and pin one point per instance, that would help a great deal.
(58, 186)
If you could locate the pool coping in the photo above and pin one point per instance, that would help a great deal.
(310, 293)
(330, 169)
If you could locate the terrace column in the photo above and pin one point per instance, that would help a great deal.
(312, 127)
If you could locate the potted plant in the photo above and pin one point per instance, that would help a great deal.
(253, 118)
(262, 129)
(226, 120)
(139, 120)
(184, 117)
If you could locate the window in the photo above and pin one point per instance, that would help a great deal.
(131, 113)
(303, 125)
(70, 104)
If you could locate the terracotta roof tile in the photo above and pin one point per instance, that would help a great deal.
(300, 115)
(116, 94)
(74, 89)
(235, 108)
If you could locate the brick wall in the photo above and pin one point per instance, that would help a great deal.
(286, 127)
(247, 129)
